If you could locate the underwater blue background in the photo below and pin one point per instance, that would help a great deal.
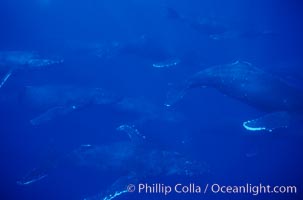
(207, 125)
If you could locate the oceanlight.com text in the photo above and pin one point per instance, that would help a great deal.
(251, 189)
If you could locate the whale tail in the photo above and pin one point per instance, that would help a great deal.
(268, 122)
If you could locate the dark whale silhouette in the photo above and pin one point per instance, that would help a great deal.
(145, 47)
(53, 101)
(216, 30)
(131, 160)
(11, 61)
(251, 85)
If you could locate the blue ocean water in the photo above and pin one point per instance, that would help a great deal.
(85, 83)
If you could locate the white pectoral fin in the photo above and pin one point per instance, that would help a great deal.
(121, 186)
(53, 113)
(268, 122)
(175, 94)
(132, 132)
(5, 78)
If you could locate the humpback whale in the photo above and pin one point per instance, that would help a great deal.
(131, 160)
(11, 61)
(58, 100)
(145, 47)
(52, 101)
(243, 81)
(216, 30)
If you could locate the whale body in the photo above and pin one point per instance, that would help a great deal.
(251, 85)
(11, 61)
(131, 160)
(52, 101)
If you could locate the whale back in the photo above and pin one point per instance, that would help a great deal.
(252, 85)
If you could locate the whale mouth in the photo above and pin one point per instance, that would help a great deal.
(268, 122)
